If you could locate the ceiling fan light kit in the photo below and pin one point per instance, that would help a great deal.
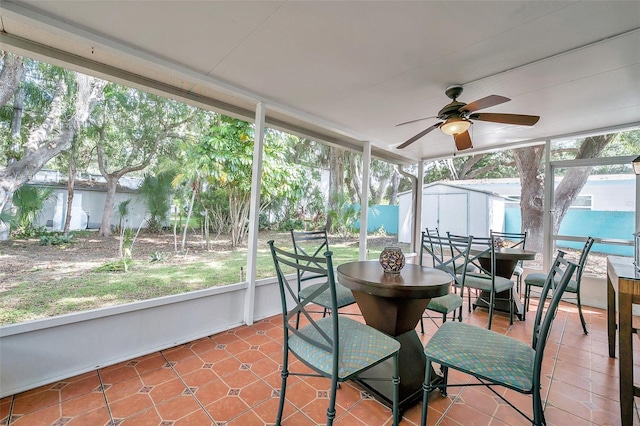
(455, 126)
(456, 118)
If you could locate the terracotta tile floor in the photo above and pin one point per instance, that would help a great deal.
(232, 378)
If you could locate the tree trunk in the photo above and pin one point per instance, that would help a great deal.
(395, 184)
(576, 177)
(10, 76)
(531, 199)
(109, 202)
(186, 225)
(528, 162)
(70, 187)
(16, 126)
(336, 179)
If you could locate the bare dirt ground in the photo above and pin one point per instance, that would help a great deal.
(88, 252)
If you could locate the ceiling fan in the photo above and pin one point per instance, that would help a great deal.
(457, 118)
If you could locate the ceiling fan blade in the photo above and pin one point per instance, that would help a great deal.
(418, 136)
(519, 119)
(483, 103)
(413, 121)
(463, 141)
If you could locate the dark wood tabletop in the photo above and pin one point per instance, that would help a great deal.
(508, 253)
(413, 282)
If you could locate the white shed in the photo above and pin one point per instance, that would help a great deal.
(451, 208)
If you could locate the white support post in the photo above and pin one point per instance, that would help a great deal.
(254, 213)
(548, 209)
(364, 199)
(417, 217)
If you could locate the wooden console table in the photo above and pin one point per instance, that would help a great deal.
(623, 279)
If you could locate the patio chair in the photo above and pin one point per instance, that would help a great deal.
(495, 359)
(482, 255)
(537, 279)
(312, 244)
(335, 347)
(455, 259)
(517, 240)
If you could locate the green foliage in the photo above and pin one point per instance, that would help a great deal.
(55, 239)
(28, 201)
(120, 265)
(157, 190)
(343, 217)
(158, 256)
(123, 213)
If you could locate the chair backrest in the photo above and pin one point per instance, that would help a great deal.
(439, 248)
(292, 305)
(483, 248)
(512, 239)
(311, 244)
(583, 259)
(449, 254)
(558, 278)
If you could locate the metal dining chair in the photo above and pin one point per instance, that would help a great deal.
(335, 347)
(536, 279)
(313, 244)
(514, 240)
(495, 359)
(449, 254)
(486, 280)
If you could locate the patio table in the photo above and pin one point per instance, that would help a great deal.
(393, 304)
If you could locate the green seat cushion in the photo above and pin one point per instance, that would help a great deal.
(537, 279)
(445, 304)
(483, 353)
(360, 346)
(344, 296)
(483, 282)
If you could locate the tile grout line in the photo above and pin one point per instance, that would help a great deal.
(193, 395)
(104, 395)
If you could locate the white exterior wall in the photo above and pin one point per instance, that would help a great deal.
(457, 210)
(608, 192)
(88, 206)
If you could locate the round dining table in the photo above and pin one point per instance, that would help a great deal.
(394, 304)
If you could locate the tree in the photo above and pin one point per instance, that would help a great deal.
(230, 147)
(129, 128)
(49, 130)
(528, 162)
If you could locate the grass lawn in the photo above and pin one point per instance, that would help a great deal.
(46, 289)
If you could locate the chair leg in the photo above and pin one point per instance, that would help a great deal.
(421, 326)
(331, 410)
(511, 302)
(283, 387)
(584, 323)
(492, 300)
(425, 393)
(324, 312)
(396, 390)
(538, 413)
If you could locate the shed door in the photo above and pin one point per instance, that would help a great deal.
(447, 212)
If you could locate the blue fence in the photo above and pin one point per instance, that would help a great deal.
(598, 224)
(381, 216)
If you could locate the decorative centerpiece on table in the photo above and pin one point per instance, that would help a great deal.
(392, 260)
(499, 243)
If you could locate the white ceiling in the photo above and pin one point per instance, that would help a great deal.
(349, 71)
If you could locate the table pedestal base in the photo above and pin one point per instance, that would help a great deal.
(502, 302)
(412, 365)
